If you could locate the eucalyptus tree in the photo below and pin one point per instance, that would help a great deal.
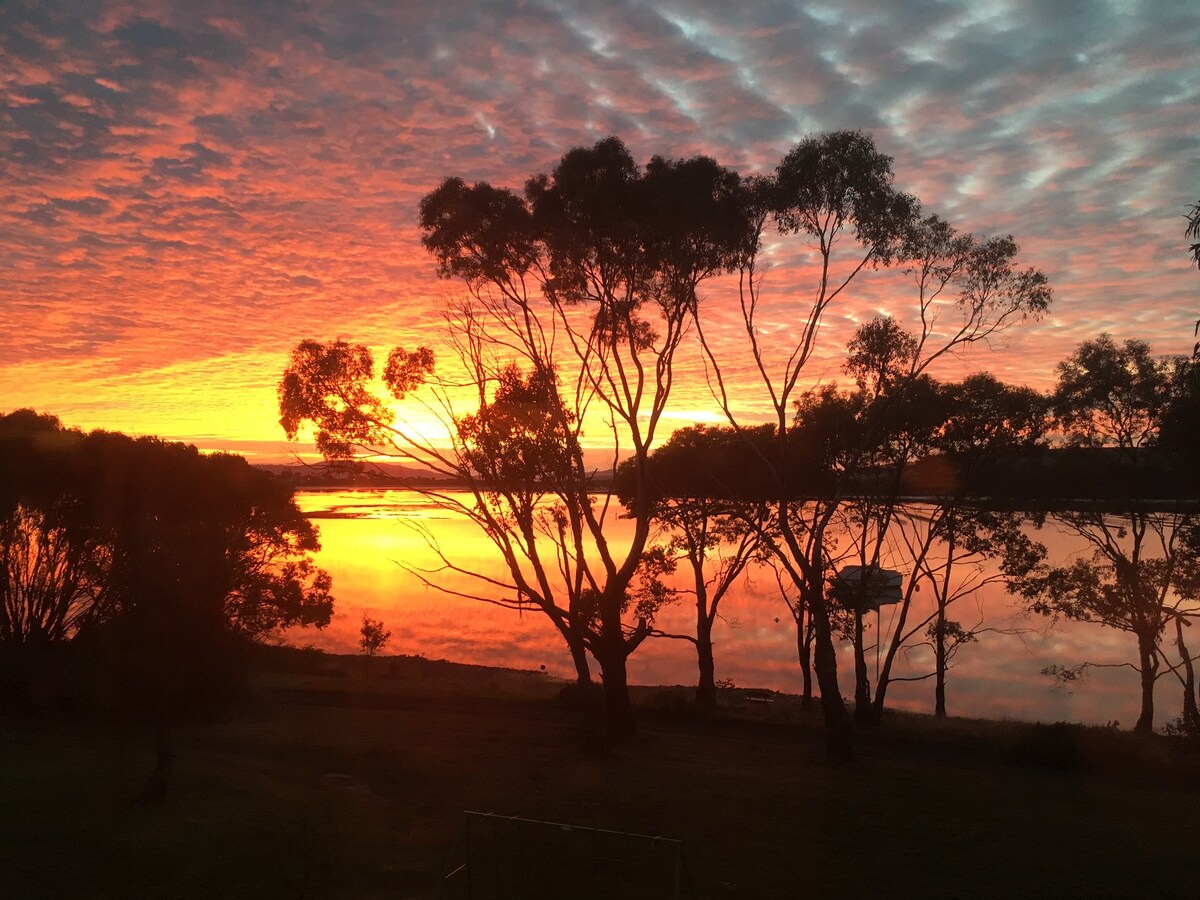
(939, 522)
(53, 560)
(836, 193)
(1110, 400)
(915, 502)
(988, 425)
(703, 492)
(834, 190)
(579, 293)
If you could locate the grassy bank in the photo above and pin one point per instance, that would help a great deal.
(351, 783)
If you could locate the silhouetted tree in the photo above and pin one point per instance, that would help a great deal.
(53, 560)
(836, 191)
(897, 416)
(1179, 429)
(959, 527)
(827, 188)
(157, 563)
(1114, 396)
(372, 638)
(580, 292)
(373, 635)
(703, 492)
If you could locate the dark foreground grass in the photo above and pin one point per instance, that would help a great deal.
(340, 787)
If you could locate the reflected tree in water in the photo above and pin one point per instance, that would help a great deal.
(1112, 398)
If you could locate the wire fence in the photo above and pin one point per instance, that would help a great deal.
(508, 857)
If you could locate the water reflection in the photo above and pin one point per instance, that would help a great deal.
(368, 537)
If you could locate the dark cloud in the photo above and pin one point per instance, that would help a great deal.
(194, 166)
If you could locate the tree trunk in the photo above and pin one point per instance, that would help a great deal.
(1149, 669)
(617, 707)
(804, 652)
(939, 644)
(885, 672)
(585, 696)
(939, 659)
(1191, 713)
(155, 789)
(862, 681)
(839, 739)
(706, 687)
(583, 671)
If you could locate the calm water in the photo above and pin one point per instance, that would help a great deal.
(365, 534)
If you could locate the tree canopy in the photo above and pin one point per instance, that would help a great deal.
(101, 528)
(580, 289)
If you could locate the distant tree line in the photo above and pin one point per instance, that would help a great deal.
(135, 573)
(580, 291)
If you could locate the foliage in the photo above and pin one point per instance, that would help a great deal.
(206, 529)
(1179, 428)
(373, 635)
(579, 293)
(1135, 577)
(1193, 231)
(523, 437)
(147, 552)
(1109, 395)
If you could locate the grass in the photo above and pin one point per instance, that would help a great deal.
(347, 786)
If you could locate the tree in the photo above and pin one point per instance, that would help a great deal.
(702, 493)
(53, 561)
(826, 188)
(1111, 398)
(963, 522)
(896, 417)
(209, 556)
(580, 293)
(1179, 428)
(836, 191)
(185, 559)
(958, 547)
(374, 636)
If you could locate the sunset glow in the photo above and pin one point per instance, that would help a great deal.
(368, 541)
(190, 188)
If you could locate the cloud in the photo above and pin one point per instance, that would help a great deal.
(215, 182)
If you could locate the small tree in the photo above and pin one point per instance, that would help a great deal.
(54, 561)
(374, 637)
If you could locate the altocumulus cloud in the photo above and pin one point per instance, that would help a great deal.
(189, 182)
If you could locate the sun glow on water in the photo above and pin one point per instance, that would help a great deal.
(375, 544)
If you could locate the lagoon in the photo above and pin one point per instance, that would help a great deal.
(366, 534)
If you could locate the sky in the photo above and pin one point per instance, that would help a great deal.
(190, 188)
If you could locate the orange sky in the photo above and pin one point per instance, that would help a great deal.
(189, 192)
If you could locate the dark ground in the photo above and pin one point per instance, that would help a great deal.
(342, 785)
